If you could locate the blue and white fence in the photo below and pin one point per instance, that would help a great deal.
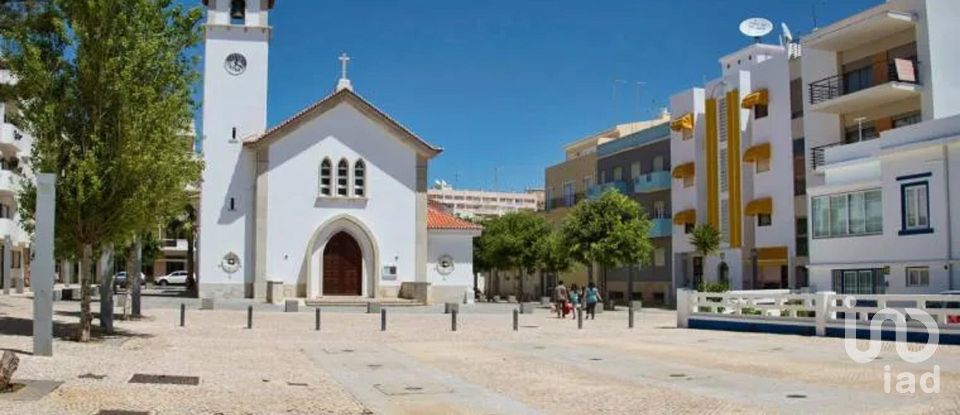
(818, 314)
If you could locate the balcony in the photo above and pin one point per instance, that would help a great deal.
(596, 190)
(652, 182)
(10, 137)
(9, 182)
(859, 30)
(837, 95)
(662, 227)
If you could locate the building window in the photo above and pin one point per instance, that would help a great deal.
(688, 228)
(796, 98)
(659, 209)
(723, 170)
(658, 163)
(343, 171)
(859, 281)
(325, 181)
(760, 111)
(764, 219)
(801, 232)
(858, 132)
(233, 204)
(918, 276)
(659, 257)
(904, 120)
(799, 168)
(568, 194)
(847, 214)
(915, 208)
(359, 179)
(618, 174)
(635, 170)
(763, 165)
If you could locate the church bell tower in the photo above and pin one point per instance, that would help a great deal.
(237, 37)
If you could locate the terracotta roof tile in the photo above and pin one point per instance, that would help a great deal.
(438, 218)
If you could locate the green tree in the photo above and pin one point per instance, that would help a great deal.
(705, 239)
(554, 257)
(611, 231)
(514, 241)
(105, 87)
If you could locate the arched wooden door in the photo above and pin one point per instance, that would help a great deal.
(342, 266)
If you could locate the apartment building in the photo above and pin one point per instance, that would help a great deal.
(483, 204)
(733, 152)
(638, 165)
(881, 100)
(568, 182)
(15, 145)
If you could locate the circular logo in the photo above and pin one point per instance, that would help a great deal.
(235, 64)
(230, 263)
(445, 265)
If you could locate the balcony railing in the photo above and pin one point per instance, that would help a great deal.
(835, 86)
(818, 155)
(652, 182)
(662, 227)
(596, 190)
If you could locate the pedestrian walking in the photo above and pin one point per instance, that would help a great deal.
(574, 300)
(560, 298)
(592, 297)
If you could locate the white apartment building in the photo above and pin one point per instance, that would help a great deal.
(732, 150)
(15, 145)
(467, 203)
(881, 98)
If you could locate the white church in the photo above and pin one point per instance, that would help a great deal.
(330, 202)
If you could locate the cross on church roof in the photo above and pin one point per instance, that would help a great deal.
(344, 82)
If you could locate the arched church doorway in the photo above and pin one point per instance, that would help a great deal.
(342, 266)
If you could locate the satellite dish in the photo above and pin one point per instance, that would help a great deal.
(787, 35)
(756, 27)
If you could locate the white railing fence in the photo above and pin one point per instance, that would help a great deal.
(821, 309)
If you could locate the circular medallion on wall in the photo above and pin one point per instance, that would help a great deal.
(445, 265)
(235, 64)
(230, 263)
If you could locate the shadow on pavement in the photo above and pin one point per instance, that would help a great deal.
(13, 326)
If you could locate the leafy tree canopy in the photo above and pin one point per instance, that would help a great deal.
(611, 230)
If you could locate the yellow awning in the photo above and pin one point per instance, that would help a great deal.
(772, 255)
(757, 152)
(683, 170)
(683, 123)
(759, 206)
(685, 217)
(758, 97)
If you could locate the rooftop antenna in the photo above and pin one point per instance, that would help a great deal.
(787, 35)
(756, 27)
(640, 84)
(615, 82)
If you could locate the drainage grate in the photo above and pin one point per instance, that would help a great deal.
(796, 396)
(375, 366)
(677, 375)
(121, 412)
(296, 384)
(596, 359)
(165, 379)
(91, 376)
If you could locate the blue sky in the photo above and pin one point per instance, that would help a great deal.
(502, 84)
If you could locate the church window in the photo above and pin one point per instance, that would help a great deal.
(325, 180)
(359, 179)
(233, 204)
(343, 170)
(233, 135)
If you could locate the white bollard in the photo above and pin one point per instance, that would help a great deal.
(683, 307)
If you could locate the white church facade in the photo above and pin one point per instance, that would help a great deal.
(330, 202)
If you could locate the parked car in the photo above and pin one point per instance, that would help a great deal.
(120, 280)
(173, 278)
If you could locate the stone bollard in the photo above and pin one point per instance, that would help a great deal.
(373, 308)
(453, 320)
(545, 301)
(496, 298)
(579, 312)
(317, 324)
(183, 314)
(511, 298)
(18, 283)
(516, 319)
(383, 319)
(206, 303)
(250, 317)
(291, 306)
(450, 308)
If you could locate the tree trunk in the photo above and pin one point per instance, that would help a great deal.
(106, 290)
(134, 265)
(630, 285)
(607, 302)
(83, 330)
(543, 284)
(191, 264)
(520, 285)
(590, 272)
